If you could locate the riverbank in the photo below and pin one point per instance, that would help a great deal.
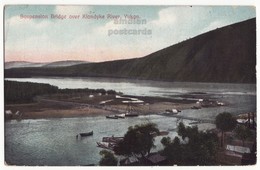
(78, 105)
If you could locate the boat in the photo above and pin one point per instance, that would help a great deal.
(121, 116)
(129, 112)
(84, 134)
(172, 111)
(102, 145)
(105, 145)
(111, 117)
(131, 115)
(195, 107)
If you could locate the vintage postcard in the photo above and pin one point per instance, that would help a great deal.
(138, 85)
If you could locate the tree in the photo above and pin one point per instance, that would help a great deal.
(166, 141)
(172, 149)
(243, 133)
(138, 140)
(225, 122)
(108, 158)
(199, 149)
(187, 131)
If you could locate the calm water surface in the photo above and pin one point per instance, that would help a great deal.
(53, 141)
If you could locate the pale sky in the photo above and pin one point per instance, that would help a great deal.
(49, 39)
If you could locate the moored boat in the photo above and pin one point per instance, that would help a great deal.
(111, 117)
(172, 111)
(122, 116)
(84, 134)
(102, 145)
(196, 107)
(129, 112)
(105, 145)
(131, 115)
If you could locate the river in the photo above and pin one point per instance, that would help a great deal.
(53, 141)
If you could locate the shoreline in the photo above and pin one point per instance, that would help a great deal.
(81, 104)
(85, 112)
(51, 107)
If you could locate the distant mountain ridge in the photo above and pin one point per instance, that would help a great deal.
(19, 64)
(226, 55)
(22, 64)
(65, 63)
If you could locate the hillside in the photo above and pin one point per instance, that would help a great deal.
(64, 63)
(226, 54)
(23, 64)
